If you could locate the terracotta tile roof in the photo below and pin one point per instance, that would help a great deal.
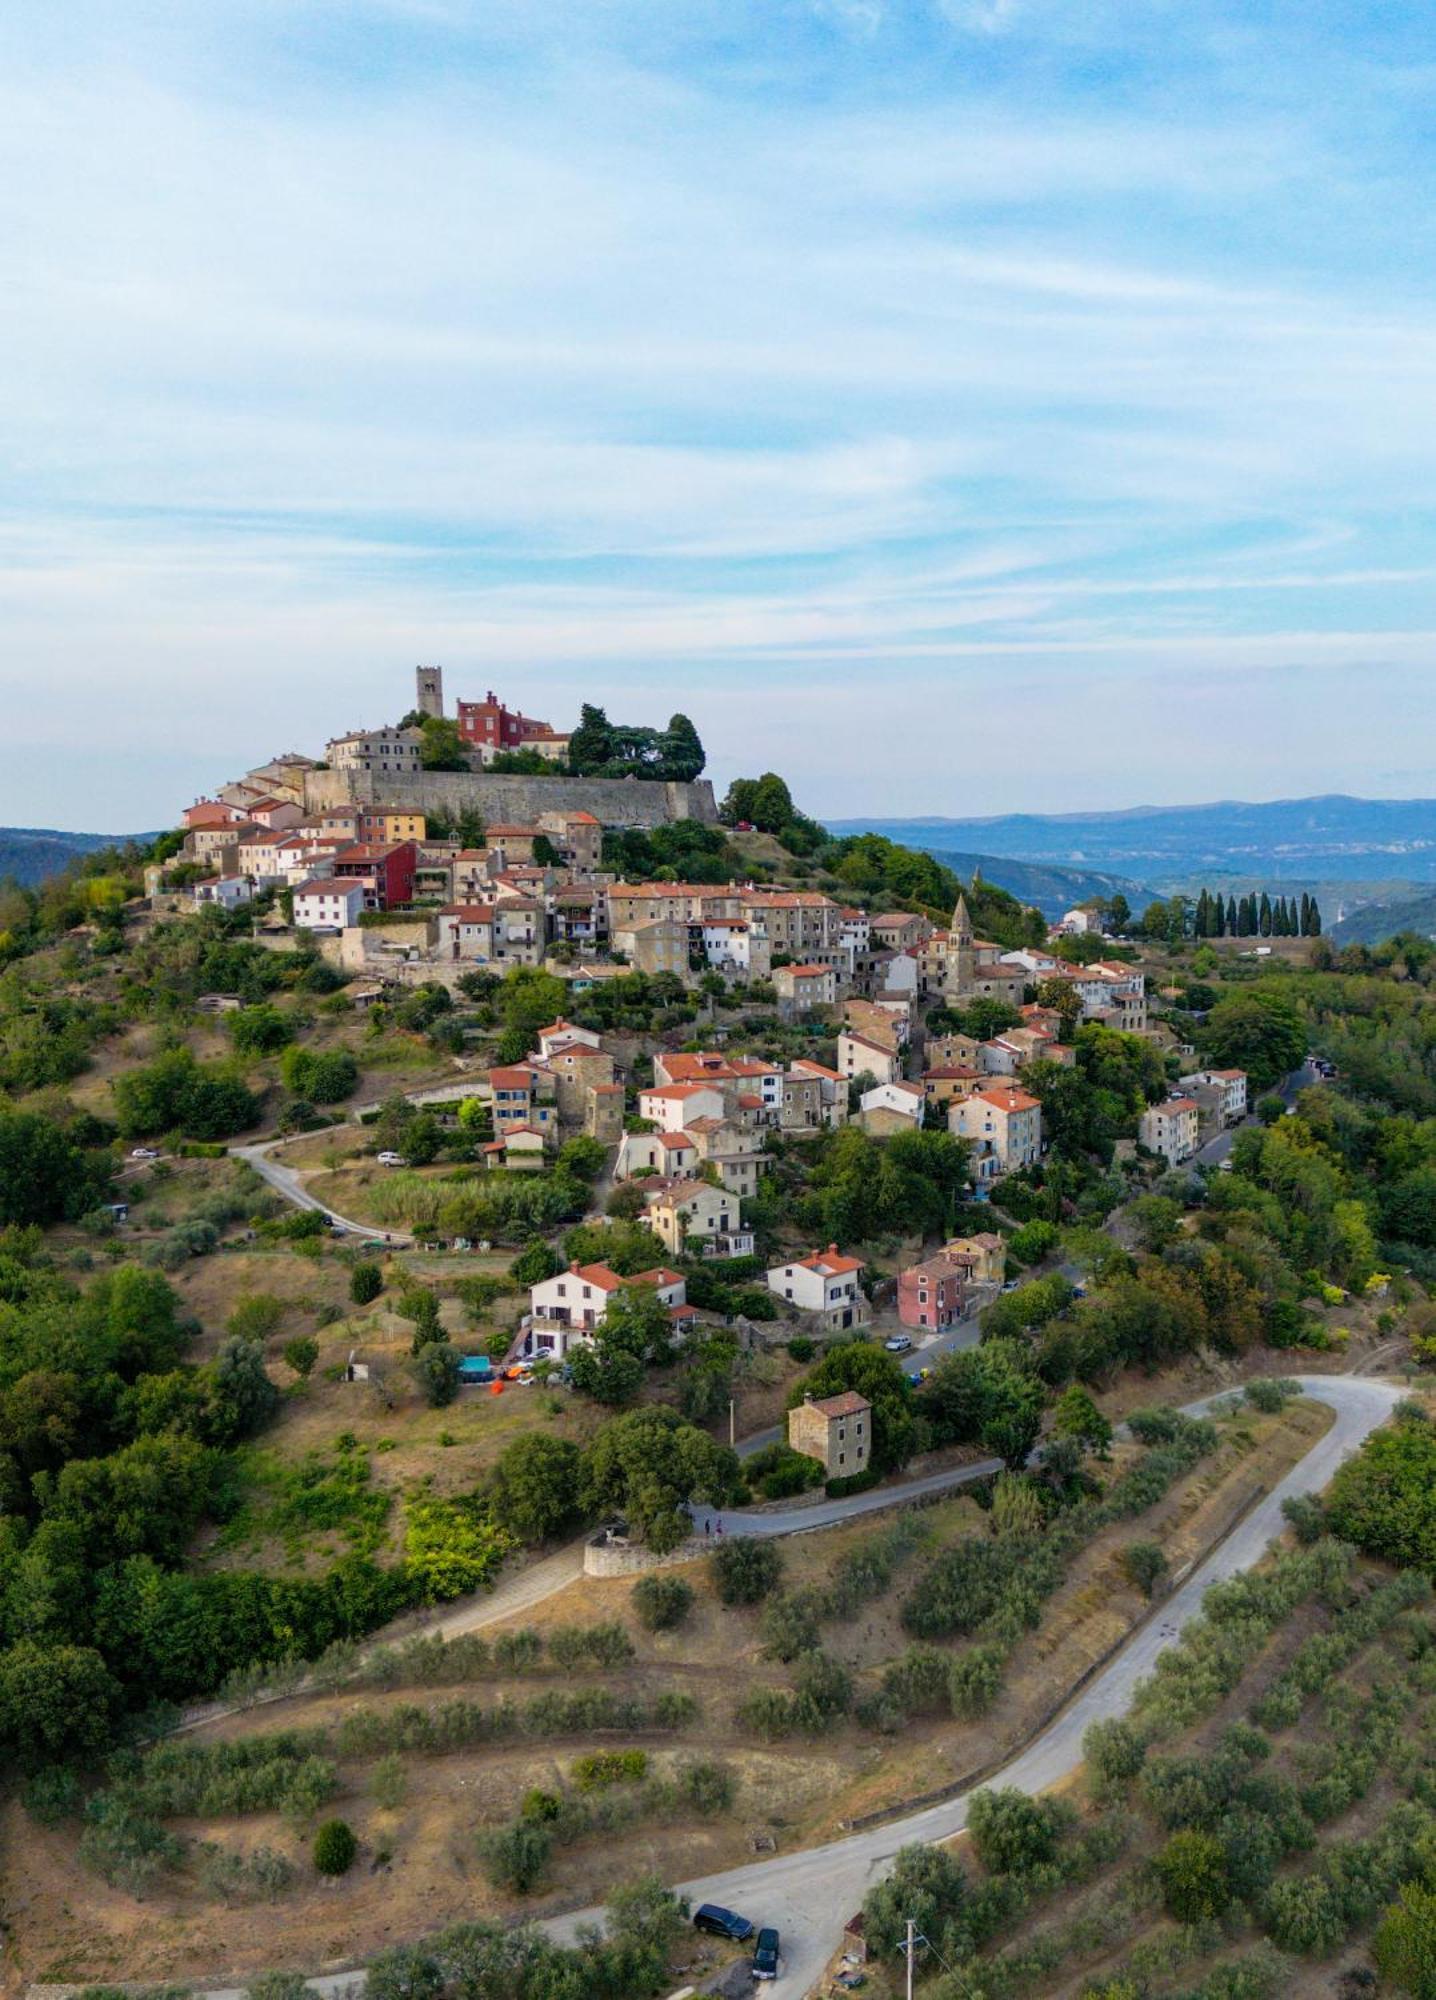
(600, 1276)
(830, 1262)
(848, 1404)
(470, 913)
(1008, 1100)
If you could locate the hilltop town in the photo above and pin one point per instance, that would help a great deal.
(399, 875)
(482, 1212)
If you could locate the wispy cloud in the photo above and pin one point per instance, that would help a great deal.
(905, 343)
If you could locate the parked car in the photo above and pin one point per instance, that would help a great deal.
(765, 1954)
(898, 1343)
(718, 1922)
(144, 1153)
(391, 1159)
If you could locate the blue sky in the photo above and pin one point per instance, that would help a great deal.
(960, 405)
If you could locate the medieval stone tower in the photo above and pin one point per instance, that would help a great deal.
(429, 686)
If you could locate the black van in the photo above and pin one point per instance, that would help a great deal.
(714, 1918)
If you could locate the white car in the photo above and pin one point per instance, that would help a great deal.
(899, 1343)
(391, 1159)
(144, 1153)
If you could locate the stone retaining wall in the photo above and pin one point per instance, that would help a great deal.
(515, 801)
(602, 1557)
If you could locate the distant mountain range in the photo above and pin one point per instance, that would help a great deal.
(31, 853)
(1297, 842)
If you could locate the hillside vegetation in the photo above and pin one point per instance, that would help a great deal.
(199, 1498)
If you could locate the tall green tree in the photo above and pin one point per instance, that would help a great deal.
(681, 750)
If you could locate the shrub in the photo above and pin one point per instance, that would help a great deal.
(1145, 1564)
(1270, 1396)
(746, 1571)
(1114, 1753)
(1156, 1426)
(593, 1645)
(516, 1856)
(1013, 1834)
(435, 1369)
(366, 1282)
(1405, 1943)
(335, 1847)
(389, 1781)
(789, 1626)
(975, 1680)
(608, 1767)
(255, 1317)
(301, 1353)
(662, 1602)
(1192, 1869)
(708, 1787)
(1305, 1516)
(801, 1348)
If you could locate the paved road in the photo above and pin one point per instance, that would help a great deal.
(825, 1513)
(286, 1181)
(811, 1893)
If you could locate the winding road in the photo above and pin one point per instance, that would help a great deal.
(287, 1182)
(811, 1893)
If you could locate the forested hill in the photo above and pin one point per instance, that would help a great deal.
(31, 854)
(1054, 891)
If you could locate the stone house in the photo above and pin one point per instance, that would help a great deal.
(835, 1430)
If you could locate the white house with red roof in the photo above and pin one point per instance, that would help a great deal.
(824, 1284)
(564, 1310)
(672, 1106)
(328, 904)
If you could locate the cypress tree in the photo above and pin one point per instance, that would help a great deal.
(1264, 914)
(1219, 917)
(1232, 920)
(1315, 918)
(1202, 921)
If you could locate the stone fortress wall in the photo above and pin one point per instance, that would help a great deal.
(503, 800)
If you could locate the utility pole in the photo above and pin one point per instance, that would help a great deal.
(732, 1420)
(911, 1953)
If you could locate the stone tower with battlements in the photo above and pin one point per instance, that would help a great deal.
(429, 690)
